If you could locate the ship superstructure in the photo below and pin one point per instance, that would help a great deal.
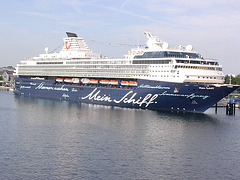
(156, 66)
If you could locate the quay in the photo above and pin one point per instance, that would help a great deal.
(3, 88)
(230, 104)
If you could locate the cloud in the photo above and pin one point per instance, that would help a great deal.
(148, 18)
(83, 23)
(124, 4)
(44, 15)
(212, 26)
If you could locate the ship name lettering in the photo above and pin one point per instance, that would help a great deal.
(41, 86)
(153, 87)
(97, 97)
(25, 87)
(209, 88)
(128, 98)
(190, 96)
(74, 90)
(65, 95)
(148, 99)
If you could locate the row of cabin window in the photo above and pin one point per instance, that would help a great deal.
(205, 77)
(198, 67)
(98, 62)
(196, 62)
(151, 61)
(85, 67)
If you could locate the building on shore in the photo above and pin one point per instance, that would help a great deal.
(6, 76)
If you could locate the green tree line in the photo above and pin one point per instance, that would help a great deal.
(234, 80)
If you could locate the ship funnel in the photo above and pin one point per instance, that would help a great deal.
(69, 34)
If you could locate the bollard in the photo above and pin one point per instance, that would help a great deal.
(230, 108)
(216, 106)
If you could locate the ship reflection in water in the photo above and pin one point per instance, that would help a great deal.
(51, 139)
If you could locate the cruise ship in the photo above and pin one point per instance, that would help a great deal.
(154, 77)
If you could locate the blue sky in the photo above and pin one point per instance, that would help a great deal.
(211, 26)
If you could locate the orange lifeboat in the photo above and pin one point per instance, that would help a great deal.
(132, 83)
(103, 81)
(93, 81)
(124, 83)
(113, 82)
(75, 80)
(67, 80)
(59, 80)
(85, 80)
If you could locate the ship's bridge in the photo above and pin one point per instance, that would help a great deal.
(167, 54)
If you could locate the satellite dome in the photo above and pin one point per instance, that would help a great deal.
(165, 45)
(189, 48)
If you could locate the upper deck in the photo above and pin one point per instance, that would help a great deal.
(157, 61)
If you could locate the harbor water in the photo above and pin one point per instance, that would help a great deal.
(51, 139)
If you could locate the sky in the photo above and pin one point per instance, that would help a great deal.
(212, 27)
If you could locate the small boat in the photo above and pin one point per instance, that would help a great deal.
(113, 82)
(124, 83)
(103, 81)
(85, 80)
(132, 83)
(68, 80)
(59, 80)
(93, 81)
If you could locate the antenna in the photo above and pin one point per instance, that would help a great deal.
(149, 35)
(138, 42)
(46, 50)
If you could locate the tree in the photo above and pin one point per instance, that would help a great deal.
(234, 80)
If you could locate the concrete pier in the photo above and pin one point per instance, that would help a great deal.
(3, 88)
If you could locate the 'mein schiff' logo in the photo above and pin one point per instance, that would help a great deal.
(128, 98)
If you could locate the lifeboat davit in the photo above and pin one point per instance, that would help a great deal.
(85, 80)
(68, 80)
(132, 83)
(59, 80)
(103, 81)
(113, 82)
(124, 83)
(93, 81)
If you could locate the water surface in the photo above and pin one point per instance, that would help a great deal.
(50, 139)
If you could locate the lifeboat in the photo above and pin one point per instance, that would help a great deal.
(132, 83)
(93, 81)
(124, 83)
(68, 80)
(113, 82)
(75, 80)
(59, 80)
(103, 81)
(85, 80)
